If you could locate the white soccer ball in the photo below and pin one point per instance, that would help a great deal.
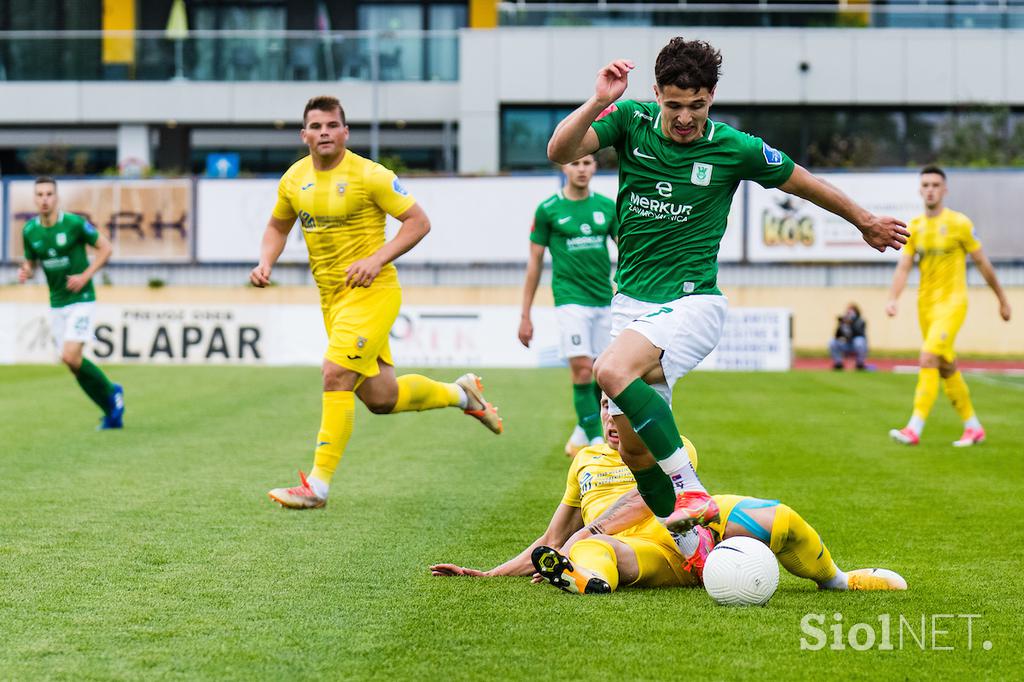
(741, 571)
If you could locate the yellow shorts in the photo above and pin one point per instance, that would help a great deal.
(358, 324)
(659, 561)
(939, 327)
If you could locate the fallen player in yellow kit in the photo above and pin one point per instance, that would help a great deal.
(602, 535)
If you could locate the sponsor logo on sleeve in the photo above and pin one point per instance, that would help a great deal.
(397, 186)
(773, 157)
(90, 229)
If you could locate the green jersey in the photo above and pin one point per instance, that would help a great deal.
(61, 250)
(577, 233)
(674, 199)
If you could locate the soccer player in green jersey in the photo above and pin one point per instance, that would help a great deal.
(58, 240)
(575, 224)
(678, 171)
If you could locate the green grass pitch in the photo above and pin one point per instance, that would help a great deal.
(155, 553)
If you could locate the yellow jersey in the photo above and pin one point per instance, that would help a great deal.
(598, 477)
(342, 214)
(941, 245)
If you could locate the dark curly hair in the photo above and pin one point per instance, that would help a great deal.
(688, 65)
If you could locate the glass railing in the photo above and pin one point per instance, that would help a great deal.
(811, 13)
(229, 56)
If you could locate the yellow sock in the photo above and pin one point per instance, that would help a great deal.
(799, 548)
(417, 392)
(927, 391)
(960, 396)
(339, 411)
(598, 557)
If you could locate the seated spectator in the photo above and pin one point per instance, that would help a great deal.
(850, 339)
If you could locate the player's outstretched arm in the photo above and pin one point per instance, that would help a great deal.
(275, 237)
(899, 281)
(880, 232)
(104, 249)
(415, 226)
(989, 273)
(533, 269)
(565, 521)
(574, 137)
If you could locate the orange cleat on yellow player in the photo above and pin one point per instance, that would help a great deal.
(477, 406)
(300, 497)
(559, 571)
(874, 579)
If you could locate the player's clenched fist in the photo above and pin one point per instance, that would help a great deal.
(612, 80)
(260, 276)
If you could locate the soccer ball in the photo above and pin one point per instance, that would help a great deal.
(741, 571)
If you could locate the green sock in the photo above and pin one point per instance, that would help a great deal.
(651, 418)
(655, 487)
(588, 410)
(95, 384)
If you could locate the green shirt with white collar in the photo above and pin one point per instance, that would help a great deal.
(674, 199)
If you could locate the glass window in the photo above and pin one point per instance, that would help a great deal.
(524, 136)
(443, 51)
(401, 56)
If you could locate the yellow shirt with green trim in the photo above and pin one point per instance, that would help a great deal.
(941, 245)
(342, 213)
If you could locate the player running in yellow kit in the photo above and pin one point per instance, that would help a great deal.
(340, 199)
(941, 239)
(603, 535)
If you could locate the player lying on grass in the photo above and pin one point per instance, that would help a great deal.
(606, 536)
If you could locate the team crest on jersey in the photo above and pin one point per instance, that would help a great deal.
(701, 174)
(62, 239)
(598, 218)
(341, 187)
(360, 342)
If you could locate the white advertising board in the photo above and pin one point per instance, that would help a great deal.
(473, 220)
(437, 336)
(786, 228)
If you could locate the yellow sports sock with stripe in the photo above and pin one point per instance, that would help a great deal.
(417, 392)
(339, 411)
(959, 395)
(799, 548)
(926, 392)
(598, 557)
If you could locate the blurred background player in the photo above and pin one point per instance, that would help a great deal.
(57, 239)
(941, 238)
(678, 171)
(341, 198)
(575, 223)
(602, 535)
(850, 339)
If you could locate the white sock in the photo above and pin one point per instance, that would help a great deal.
(319, 487)
(680, 470)
(837, 582)
(599, 440)
(463, 398)
(687, 542)
(579, 436)
(916, 424)
(972, 423)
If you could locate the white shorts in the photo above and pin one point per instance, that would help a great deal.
(686, 330)
(72, 323)
(585, 331)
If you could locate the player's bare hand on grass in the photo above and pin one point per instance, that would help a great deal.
(260, 276)
(447, 570)
(76, 283)
(883, 232)
(525, 331)
(362, 272)
(612, 80)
